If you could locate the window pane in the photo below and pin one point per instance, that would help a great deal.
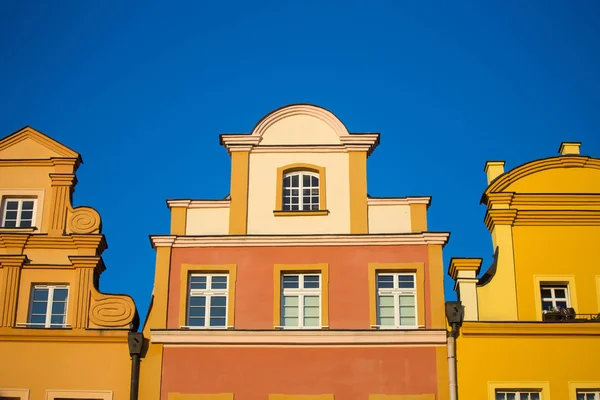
(311, 321)
(408, 321)
(27, 215)
(311, 281)
(386, 312)
(197, 282)
(407, 312)
(406, 281)
(25, 223)
(40, 294)
(387, 321)
(219, 282)
(28, 205)
(385, 281)
(290, 311)
(535, 396)
(196, 321)
(546, 305)
(311, 301)
(217, 321)
(39, 307)
(197, 301)
(511, 396)
(290, 321)
(57, 320)
(560, 293)
(286, 181)
(386, 301)
(562, 304)
(524, 396)
(582, 396)
(218, 301)
(407, 300)
(10, 224)
(37, 319)
(314, 207)
(290, 301)
(295, 181)
(295, 207)
(58, 308)
(311, 312)
(306, 180)
(60, 294)
(11, 215)
(500, 396)
(290, 282)
(197, 312)
(546, 292)
(12, 205)
(314, 181)
(217, 311)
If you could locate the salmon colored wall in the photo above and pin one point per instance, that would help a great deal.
(254, 373)
(348, 279)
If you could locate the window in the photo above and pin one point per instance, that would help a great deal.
(48, 306)
(207, 302)
(520, 395)
(554, 296)
(301, 191)
(396, 300)
(301, 300)
(588, 395)
(18, 213)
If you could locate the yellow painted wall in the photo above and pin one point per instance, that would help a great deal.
(40, 366)
(555, 360)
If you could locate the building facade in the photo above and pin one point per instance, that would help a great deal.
(532, 323)
(60, 337)
(298, 285)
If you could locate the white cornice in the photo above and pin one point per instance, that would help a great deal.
(199, 203)
(425, 238)
(300, 149)
(301, 338)
(398, 201)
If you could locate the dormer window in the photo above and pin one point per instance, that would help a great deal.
(18, 212)
(300, 191)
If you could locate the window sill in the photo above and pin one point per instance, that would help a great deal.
(17, 229)
(207, 328)
(301, 328)
(282, 213)
(400, 328)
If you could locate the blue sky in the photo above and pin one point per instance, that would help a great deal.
(143, 89)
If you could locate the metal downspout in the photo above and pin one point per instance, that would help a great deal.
(136, 341)
(452, 374)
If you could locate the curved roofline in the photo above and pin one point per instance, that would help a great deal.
(567, 161)
(300, 109)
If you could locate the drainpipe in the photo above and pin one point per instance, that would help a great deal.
(455, 314)
(135, 341)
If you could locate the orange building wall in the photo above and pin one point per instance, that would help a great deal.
(348, 279)
(252, 373)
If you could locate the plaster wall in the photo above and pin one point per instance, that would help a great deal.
(207, 221)
(389, 219)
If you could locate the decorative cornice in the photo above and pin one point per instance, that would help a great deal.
(13, 242)
(558, 200)
(507, 329)
(63, 335)
(28, 132)
(558, 218)
(499, 217)
(300, 338)
(12, 260)
(93, 244)
(464, 264)
(188, 203)
(94, 262)
(425, 238)
(398, 201)
(315, 148)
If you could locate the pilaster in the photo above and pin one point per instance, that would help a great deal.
(84, 269)
(10, 273)
(61, 201)
(464, 271)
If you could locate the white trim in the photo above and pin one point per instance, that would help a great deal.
(519, 392)
(300, 188)
(21, 394)
(188, 203)
(207, 293)
(552, 286)
(49, 303)
(439, 238)
(596, 393)
(300, 293)
(19, 198)
(398, 201)
(52, 394)
(396, 292)
(300, 337)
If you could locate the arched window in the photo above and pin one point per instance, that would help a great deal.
(301, 191)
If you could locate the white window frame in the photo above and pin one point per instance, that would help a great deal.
(396, 292)
(518, 393)
(553, 299)
(595, 392)
(54, 394)
(49, 303)
(208, 294)
(300, 189)
(22, 394)
(19, 200)
(301, 292)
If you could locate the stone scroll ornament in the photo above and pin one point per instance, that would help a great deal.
(111, 311)
(84, 220)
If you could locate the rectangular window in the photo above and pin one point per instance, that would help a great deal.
(18, 213)
(48, 306)
(588, 394)
(554, 296)
(396, 300)
(207, 301)
(301, 300)
(518, 395)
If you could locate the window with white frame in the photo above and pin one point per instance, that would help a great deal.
(207, 301)
(588, 394)
(396, 300)
(301, 300)
(48, 307)
(18, 213)
(300, 191)
(518, 395)
(554, 296)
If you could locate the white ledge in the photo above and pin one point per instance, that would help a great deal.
(301, 337)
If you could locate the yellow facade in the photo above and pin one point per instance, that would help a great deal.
(532, 321)
(60, 338)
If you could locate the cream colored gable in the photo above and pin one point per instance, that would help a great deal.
(559, 180)
(300, 130)
(31, 144)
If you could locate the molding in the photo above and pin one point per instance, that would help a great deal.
(28, 132)
(298, 167)
(458, 264)
(95, 243)
(189, 203)
(300, 337)
(533, 329)
(301, 148)
(63, 335)
(567, 161)
(499, 217)
(53, 394)
(424, 238)
(311, 213)
(520, 200)
(398, 201)
(558, 218)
